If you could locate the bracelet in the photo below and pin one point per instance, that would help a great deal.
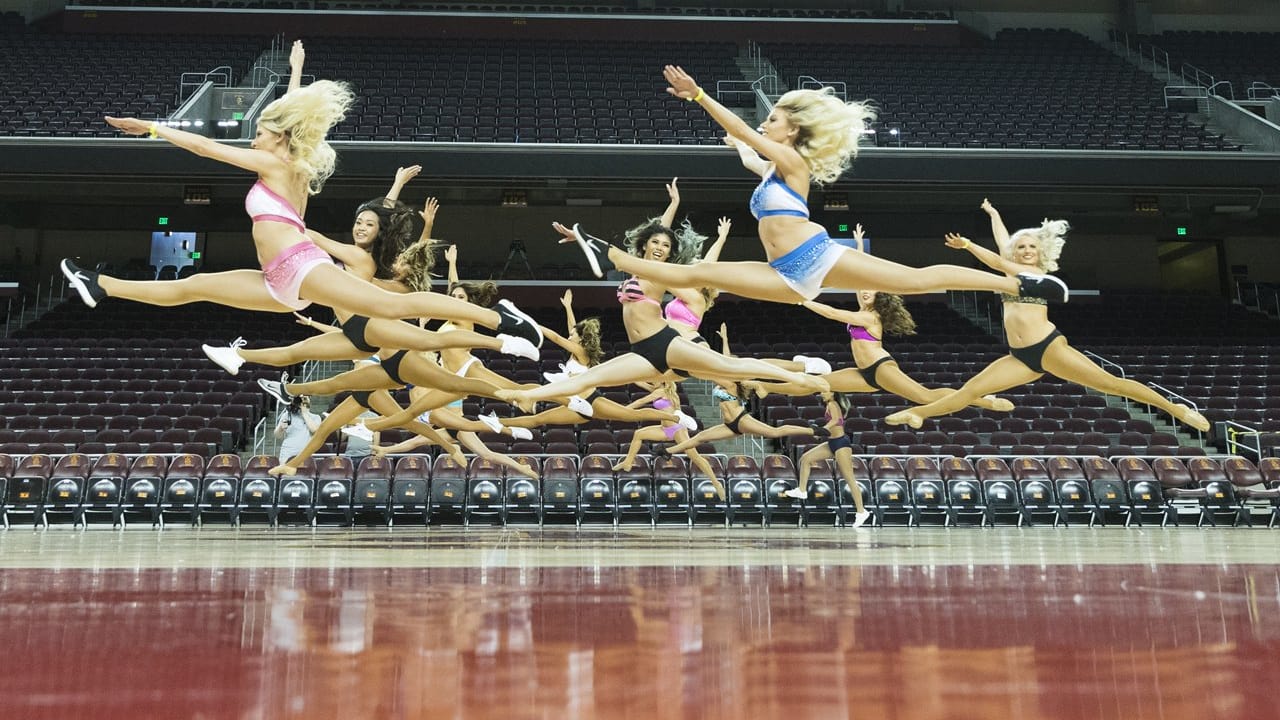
(698, 98)
(966, 244)
(154, 131)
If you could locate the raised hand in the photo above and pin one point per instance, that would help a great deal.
(567, 299)
(673, 192)
(724, 226)
(451, 254)
(858, 232)
(679, 82)
(429, 208)
(297, 55)
(405, 174)
(957, 241)
(988, 207)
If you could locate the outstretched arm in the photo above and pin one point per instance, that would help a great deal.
(565, 343)
(850, 317)
(350, 255)
(297, 56)
(785, 158)
(988, 258)
(640, 402)
(258, 161)
(998, 230)
(669, 215)
(403, 176)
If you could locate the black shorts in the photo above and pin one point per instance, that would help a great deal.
(391, 366)
(362, 398)
(1033, 355)
(654, 348)
(353, 331)
(733, 424)
(869, 372)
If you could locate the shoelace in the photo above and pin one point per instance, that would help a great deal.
(238, 343)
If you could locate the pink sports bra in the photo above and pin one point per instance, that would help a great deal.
(857, 332)
(264, 205)
(629, 292)
(678, 311)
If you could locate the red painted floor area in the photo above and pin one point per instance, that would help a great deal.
(1110, 641)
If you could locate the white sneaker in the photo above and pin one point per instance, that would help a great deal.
(580, 406)
(359, 431)
(518, 346)
(813, 365)
(555, 376)
(226, 357)
(491, 421)
(796, 493)
(859, 519)
(520, 433)
(686, 421)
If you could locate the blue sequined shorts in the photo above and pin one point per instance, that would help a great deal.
(804, 268)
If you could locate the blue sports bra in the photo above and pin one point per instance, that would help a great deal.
(774, 197)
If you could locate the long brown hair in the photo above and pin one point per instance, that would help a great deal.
(589, 338)
(894, 317)
(484, 294)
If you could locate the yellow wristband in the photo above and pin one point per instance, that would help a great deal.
(154, 131)
(966, 244)
(698, 98)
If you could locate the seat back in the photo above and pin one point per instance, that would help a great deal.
(958, 468)
(1099, 468)
(923, 468)
(1241, 472)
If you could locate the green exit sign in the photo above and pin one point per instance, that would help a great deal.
(195, 256)
(162, 221)
(843, 227)
(237, 116)
(1182, 231)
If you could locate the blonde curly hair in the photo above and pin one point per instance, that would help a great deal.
(414, 264)
(829, 130)
(1050, 237)
(305, 116)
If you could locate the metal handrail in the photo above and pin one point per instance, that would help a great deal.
(189, 82)
(811, 82)
(1256, 91)
(1235, 430)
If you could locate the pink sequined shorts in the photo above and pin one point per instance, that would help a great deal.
(285, 273)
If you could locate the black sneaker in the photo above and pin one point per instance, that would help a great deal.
(596, 250)
(275, 388)
(1045, 287)
(85, 282)
(821, 431)
(515, 322)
